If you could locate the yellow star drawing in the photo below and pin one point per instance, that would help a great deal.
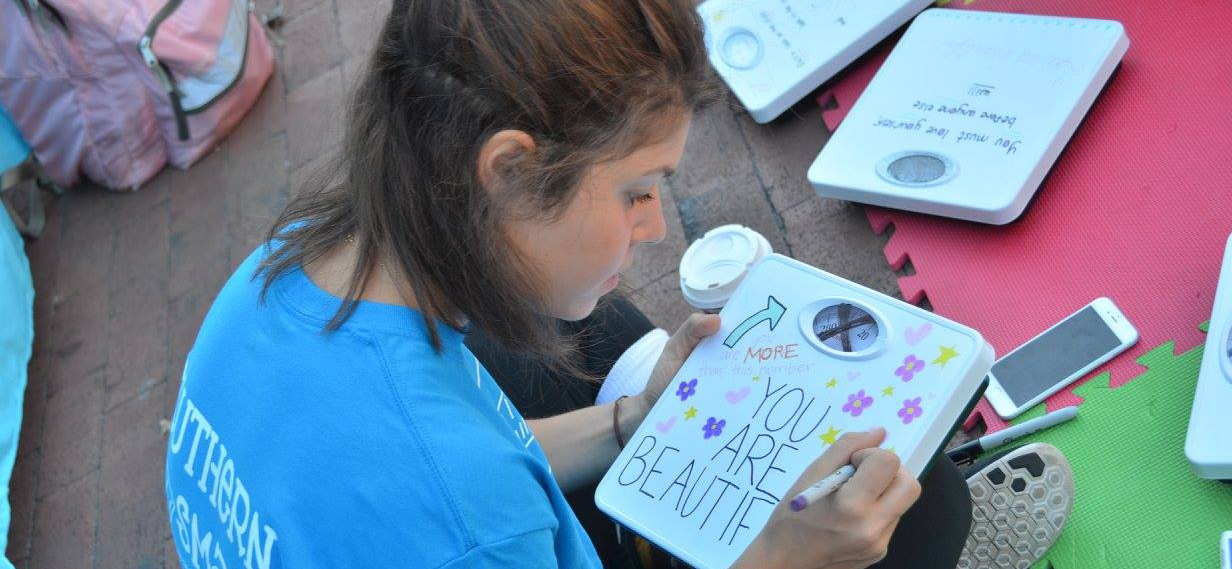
(757, 378)
(830, 436)
(692, 412)
(946, 355)
(888, 391)
(832, 382)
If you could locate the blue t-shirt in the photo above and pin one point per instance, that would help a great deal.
(363, 447)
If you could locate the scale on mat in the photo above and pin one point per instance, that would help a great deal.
(969, 113)
(774, 52)
(1208, 445)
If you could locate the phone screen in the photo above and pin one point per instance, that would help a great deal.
(1054, 356)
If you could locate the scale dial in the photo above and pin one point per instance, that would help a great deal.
(846, 328)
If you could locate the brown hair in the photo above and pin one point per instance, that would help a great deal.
(588, 80)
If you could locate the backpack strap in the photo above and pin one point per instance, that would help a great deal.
(46, 13)
(27, 178)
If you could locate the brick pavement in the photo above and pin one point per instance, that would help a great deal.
(124, 280)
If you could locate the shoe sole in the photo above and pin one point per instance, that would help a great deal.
(1019, 503)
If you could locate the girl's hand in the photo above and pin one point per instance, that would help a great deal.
(850, 528)
(681, 344)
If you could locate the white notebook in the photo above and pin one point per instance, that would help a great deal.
(969, 112)
(801, 357)
(774, 52)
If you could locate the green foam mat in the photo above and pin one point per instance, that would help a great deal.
(1137, 503)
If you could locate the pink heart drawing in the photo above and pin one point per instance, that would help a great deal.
(665, 426)
(853, 375)
(914, 335)
(737, 396)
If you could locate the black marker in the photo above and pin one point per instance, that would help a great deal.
(966, 453)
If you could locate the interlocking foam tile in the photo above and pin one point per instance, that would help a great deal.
(1137, 503)
(1137, 208)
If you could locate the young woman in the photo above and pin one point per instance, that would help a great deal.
(502, 165)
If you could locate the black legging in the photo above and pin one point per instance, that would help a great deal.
(930, 535)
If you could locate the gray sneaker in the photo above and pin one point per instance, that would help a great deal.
(1020, 500)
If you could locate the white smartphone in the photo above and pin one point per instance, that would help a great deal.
(1060, 355)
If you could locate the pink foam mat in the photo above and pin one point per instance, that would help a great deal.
(1137, 208)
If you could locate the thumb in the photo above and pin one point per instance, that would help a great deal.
(678, 348)
(697, 327)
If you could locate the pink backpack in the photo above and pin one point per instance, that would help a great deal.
(116, 89)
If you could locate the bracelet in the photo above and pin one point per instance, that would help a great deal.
(620, 440)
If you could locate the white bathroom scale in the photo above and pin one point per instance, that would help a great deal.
(801, 358)
(774, 52)
(969, 112)
(1208, 444)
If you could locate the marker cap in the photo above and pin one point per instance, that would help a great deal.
(714, 265)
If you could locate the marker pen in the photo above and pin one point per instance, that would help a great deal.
(822, 488)
(967, 453)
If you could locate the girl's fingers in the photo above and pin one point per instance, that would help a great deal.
(874, 474)
(842, 452)
(904, 490)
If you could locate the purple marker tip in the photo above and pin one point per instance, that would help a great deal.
(799, 503)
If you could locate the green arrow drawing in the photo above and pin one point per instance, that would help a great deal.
(774, 312)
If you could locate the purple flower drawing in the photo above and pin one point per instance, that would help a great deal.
(856, 403)
(713, 428)
(687, 389)
(911, 409)
(911, 365)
